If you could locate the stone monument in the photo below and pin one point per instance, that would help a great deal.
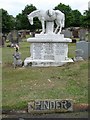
(49, 48)
(14, 37)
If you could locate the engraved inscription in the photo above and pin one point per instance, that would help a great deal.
(48, 57)
(48, 48)
(59, 49)
(62, 105)
(48, 51)
(37, 51)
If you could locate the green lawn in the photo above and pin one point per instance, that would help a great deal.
(20, 85)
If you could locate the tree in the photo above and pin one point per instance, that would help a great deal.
(66, 9)
(28, 9)
(76, 18)
(72, 17)
(8, 21)
(86, 19)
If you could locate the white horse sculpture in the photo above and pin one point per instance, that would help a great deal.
(48, 16)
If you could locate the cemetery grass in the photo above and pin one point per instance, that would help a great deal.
(21, 85)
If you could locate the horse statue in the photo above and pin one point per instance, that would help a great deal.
(48, 16)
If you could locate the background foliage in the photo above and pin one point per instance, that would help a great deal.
(73, 18)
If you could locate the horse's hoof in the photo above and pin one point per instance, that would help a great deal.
(58, 33)
(42, 33)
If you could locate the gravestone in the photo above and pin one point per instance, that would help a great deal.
(85, 47)
(47, 106)
(82, 34)
(49, 48)
(79, 54)
(2, 39)
(14, 38)
(67, 33)
(75, 33)
(23, 34)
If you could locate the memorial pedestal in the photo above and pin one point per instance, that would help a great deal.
(48, 50)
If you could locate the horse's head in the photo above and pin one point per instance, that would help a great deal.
(30, 20)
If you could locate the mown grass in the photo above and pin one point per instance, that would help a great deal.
(21, 85)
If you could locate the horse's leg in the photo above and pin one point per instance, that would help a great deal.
(61, 25)
(43, 27)
(58, 25)
(56, 29)
(60, 30)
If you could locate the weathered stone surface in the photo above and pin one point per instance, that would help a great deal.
(48, 50)
(47, 105)
(85, 47)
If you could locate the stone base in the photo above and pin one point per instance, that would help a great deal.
(44, 63)
(48, 50)
(49, 38)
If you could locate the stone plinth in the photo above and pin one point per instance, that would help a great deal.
(49, 27)
(48, 50)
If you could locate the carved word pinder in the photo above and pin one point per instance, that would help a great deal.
(50, 106)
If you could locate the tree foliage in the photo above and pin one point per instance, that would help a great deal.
(73, 18)
(22, 20)
(86, 19)
(66, 9)
(76, 18)
(8, 21)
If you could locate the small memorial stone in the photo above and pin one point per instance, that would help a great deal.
(45, 106)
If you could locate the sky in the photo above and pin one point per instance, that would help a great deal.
(14, 7)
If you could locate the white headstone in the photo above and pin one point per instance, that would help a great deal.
(67, 33)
